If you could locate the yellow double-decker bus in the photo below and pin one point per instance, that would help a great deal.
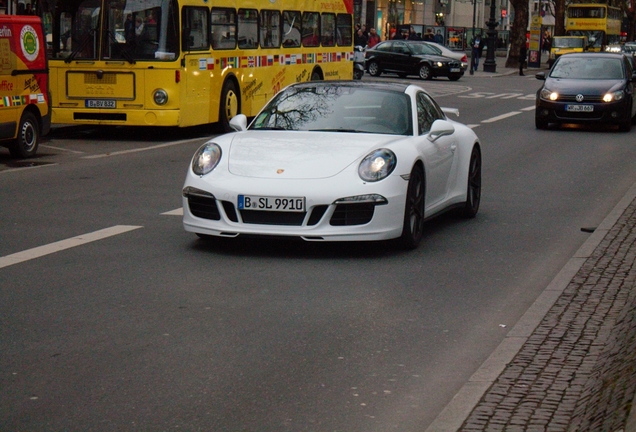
(188, 62)
(599, 22)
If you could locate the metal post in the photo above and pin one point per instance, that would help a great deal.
(472, 52)
(490, 65)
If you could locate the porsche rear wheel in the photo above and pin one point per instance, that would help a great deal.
(473, 189)
(413, 226)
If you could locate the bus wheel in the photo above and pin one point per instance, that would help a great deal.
(229, 105)
(315, 76)
(26, 143)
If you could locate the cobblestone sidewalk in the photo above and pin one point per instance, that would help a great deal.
(577, 371)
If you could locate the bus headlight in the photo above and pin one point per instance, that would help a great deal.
(160, 97)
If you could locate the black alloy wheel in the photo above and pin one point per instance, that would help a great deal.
(413, 227)
(473, 189)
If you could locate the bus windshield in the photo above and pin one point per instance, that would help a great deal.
(131, 30)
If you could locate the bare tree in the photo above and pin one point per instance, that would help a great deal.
(518, 31)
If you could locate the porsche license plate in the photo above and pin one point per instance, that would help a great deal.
(95, 103)
(268, 203)
(579, 108)
(455, 70)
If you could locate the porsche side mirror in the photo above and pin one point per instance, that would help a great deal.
(239, 122)
(439, 129)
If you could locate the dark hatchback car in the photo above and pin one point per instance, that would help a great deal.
(411, 58)
(587, 87)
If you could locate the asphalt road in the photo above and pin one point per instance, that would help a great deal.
(112, 317)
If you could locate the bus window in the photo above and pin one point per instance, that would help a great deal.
(291, 29)
(328, 29)
(223, 28)
(344, 29)
(195, 29)
(247, 28)
(270, 28)
(311, 29)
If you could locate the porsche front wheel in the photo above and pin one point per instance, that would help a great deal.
(413, 226)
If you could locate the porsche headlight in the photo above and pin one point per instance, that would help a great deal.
(613, 96)
(548, 94)
(377, 165)
(160, 96)
(206, 159)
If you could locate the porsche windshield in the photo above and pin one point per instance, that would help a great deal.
(336, 109)
(131, 30)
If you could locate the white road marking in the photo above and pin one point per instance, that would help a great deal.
(170, 144)
(501, 117)
(472, 126)
(530, 108)
(61, 149)
(175, 212)
(61, 245)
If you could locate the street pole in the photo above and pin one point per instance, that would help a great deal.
(490, 65)
(472, 51)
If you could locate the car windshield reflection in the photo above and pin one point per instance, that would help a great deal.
(587, 68)
(337, 109)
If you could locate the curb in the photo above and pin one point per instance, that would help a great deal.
(460, 407)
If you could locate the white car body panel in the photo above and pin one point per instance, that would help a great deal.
(323, 167)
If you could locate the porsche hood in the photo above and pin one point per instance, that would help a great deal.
(299, 155)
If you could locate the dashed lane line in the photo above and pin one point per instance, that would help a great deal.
(175, 212)
(79, 240)
(116, 153)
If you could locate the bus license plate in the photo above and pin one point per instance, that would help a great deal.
(455, 69)
(579, 108)
(268, 203)
(93, 103)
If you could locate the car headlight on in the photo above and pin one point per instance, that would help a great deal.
(438, 64)
(206, 159)
(160, 96)
(613, 96)
(377, 165)
(548, 94)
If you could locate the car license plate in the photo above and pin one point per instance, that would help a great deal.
(94, 103)
(579, 108)
(455, 70)
(268, 203)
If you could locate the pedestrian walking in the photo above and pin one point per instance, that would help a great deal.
(523, 54)
(477, 47)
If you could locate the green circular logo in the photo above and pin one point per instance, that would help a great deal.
(29, 42)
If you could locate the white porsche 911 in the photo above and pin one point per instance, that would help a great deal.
(335, 161)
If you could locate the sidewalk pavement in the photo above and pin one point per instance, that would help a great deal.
(569, 364)
(501, 69)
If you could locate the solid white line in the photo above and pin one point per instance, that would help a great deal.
(40, 251)
(530, 108)
(140, 149)
(175, 212)
(62, 149)
(501, 117)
